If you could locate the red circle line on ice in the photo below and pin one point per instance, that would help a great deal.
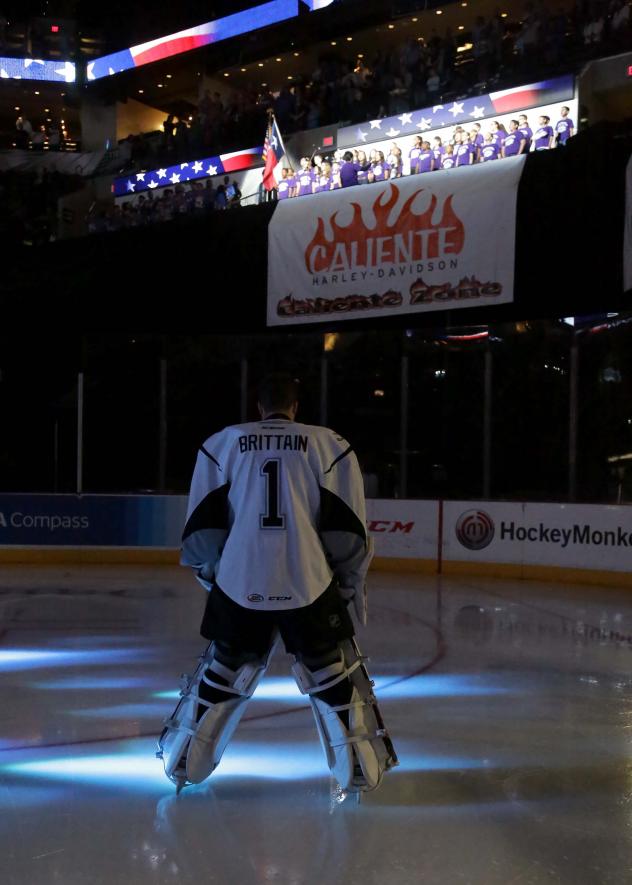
(475, 529)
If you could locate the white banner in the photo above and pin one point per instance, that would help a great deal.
(435, 241)
(627, 238)
(577, 536)
(403, 529)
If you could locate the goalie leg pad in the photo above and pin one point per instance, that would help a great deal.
(349, 723)
(212, 702)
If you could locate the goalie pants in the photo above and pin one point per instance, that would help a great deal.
(306, 632)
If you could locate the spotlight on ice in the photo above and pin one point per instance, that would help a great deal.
(31, 659)
(140, 770)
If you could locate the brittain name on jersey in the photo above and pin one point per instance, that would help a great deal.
(273, 442)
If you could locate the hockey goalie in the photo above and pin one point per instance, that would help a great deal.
(276, 533)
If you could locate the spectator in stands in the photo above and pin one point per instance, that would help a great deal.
(336, 182)
(480, 138)
(287, 184)
(499, 132)
(432, 85)
(564, 127)
(24, 132)
(593, 29)
(495, 36)
(323, 178)
(426, 160)
(221, 200)
(473, 141)
(205, 106)
(349, 170)
(481, 47)
(54, 137)
(360, 158)
(181, 138)
(379, 170)
(169, 128)
(209, 195)
(620, 23)
(463, 150)
(543, 137)
(515, 143)
(526, 130)
(438, 150)
(490, 150)
(284, 108)
(413, 155)
(305, 178)
(395, 162)
(233, 193)
(38, 138)
(448, 161)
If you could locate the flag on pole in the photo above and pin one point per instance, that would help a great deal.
(273, 155)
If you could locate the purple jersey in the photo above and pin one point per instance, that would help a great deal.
(512, 143)
(489, 152)
(349, 174)
(448, 161)
(379, 171)
(414, 160)
(324, 184)
(426, 159)
(284, 188)
(438, 153)
(463, 154)
(563, 128)
(542, 138)
(528, 134)
(305, 181)
(499, 137)
(395, 165)
(479, 140)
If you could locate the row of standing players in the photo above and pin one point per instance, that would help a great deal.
(464, 149)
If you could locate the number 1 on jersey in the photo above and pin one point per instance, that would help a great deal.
(272, 519)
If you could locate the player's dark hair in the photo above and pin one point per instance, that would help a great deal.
(278, 391)
(347, 156)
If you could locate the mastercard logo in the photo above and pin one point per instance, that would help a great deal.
(475, 529)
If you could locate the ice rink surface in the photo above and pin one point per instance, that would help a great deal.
(509, 703)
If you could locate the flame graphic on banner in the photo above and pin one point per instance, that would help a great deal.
(410, 237)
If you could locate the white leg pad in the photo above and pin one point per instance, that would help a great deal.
(190, 749)
(358, 755)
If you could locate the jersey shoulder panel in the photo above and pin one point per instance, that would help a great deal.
(329, 447)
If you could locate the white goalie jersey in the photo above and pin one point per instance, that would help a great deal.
(276, 511)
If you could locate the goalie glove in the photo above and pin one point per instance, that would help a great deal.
(357, 596)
